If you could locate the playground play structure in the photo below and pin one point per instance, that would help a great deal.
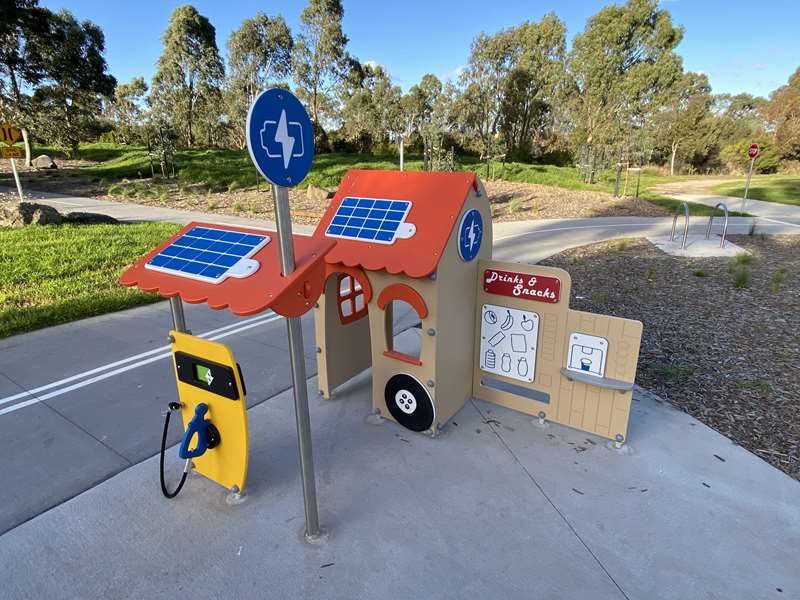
(497, 331)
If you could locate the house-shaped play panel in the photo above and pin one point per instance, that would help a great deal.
(233, 267)
(501, 332)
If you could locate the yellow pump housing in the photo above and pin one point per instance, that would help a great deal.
(207, 372)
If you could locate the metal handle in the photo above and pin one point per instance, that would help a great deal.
(724, 224)
(685, 207)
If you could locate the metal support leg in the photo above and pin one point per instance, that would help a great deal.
(283, 222)
(178, 318)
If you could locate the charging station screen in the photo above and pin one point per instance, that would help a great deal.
(202, 374)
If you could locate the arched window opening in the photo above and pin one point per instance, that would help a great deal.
(350, 299)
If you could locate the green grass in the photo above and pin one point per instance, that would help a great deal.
(221, 170)
(782, 189)
(58, 273)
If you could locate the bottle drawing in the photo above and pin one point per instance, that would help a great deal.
(490, 358)
(505, 362)
(522, 367)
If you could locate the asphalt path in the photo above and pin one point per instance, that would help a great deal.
(83, 401)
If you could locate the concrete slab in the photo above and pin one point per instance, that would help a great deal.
(46, 460)
(697, 246)
(495, 507)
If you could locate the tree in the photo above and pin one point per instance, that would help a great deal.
(186, 86)
(483, 82)
(783, 114)
(372, 111)
(24, 36)
(259, 55)
(620, 67)
(532, 85)
(127, 109)
(69, 100)
(680, 122)
(319, 55)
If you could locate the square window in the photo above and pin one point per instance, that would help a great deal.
(347, 308)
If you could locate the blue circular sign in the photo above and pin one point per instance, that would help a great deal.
(470, 234)
(280, 138)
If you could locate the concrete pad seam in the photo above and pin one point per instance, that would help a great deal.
(95, 438)
(549, 500)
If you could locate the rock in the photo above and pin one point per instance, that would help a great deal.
(87, 218)
(319, 194)
(20, 214)
(44, 162)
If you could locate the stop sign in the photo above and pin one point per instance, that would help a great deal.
(752, 151)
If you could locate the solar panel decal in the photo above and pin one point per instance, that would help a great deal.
(210, 255)
(371, 220)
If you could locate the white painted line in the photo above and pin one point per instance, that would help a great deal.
(777, 221)
(60, 202)
(125, 369)
(258, 320)
(540, 231)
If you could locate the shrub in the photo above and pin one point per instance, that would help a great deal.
(741, 277)
(735, 156)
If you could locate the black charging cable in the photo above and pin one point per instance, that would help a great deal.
(173, 407)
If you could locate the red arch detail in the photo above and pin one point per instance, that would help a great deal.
(401, 291)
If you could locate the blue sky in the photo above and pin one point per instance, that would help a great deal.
(743, 46)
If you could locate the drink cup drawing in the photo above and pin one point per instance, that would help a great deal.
(490, 358)
(586, 364)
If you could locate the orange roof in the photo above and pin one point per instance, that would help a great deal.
(436, 202)
(266, 288)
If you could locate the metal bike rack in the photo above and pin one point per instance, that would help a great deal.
(724, 225)
(686, 223)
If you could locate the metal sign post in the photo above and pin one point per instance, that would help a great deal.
(280, 140)
(752, 153)
(10, 135)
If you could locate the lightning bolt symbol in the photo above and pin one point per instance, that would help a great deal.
(471, 234)
(284, 139)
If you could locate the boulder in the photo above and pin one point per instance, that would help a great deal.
(19, 214)
(318, 194)
(44, 162)
(87, 218)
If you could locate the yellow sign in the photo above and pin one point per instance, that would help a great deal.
(207, 372)
(9, 134)
(11, 152)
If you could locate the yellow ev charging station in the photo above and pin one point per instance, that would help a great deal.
(211, 394)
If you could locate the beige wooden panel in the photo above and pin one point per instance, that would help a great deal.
(584, 406)
(344, 350)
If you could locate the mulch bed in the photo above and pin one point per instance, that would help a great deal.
(726, 355)
(510, 201)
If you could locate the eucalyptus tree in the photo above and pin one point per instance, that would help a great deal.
(68, 99)
(186, 86)
(620, 67)
(532, 85)
(371, 112)
(782, 111)
(127, 109)
(682, 121)
(320, 59)
(24, 36)
(259, 56)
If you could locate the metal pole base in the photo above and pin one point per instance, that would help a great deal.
(318, 539)
(374, 418)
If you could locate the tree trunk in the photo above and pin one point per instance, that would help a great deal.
(26, 140)
(672, 159)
